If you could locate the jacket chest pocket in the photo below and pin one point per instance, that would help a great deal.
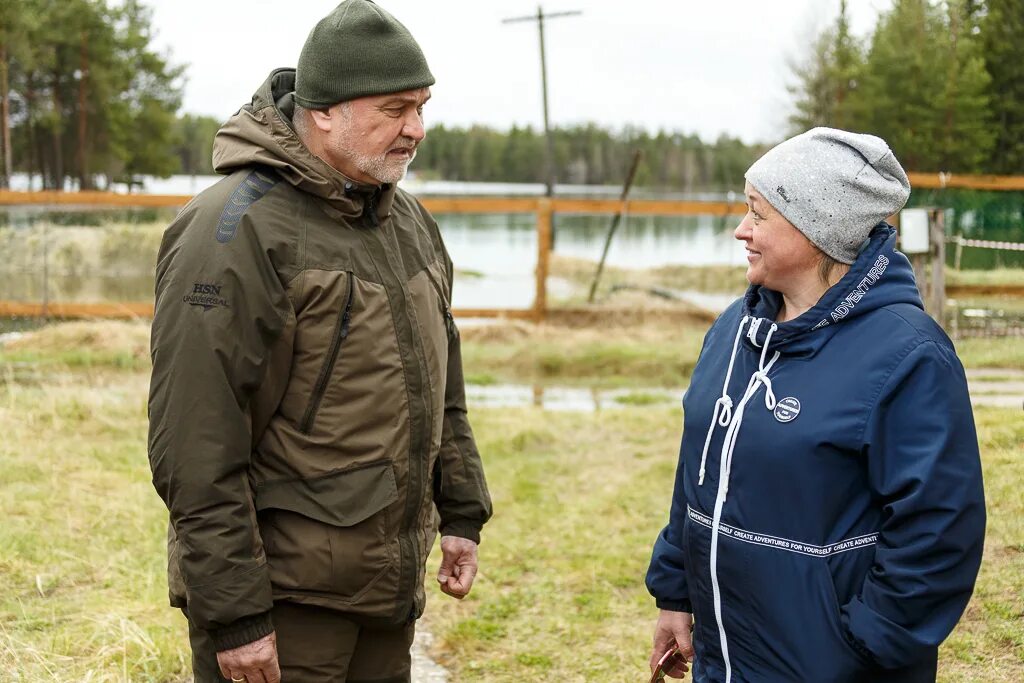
(341, 331)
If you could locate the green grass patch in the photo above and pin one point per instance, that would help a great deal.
(991, 353)
(992, 276)
(719, 279)
(661, 357)
(74, 358)
(579, 499)
(481, 379)
(641, 398)
(562, 568)
(82, 589)
(658, 356)
(463, 273)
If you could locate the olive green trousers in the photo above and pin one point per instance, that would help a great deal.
(317, 645)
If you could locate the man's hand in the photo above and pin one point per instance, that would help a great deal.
(673, 629)
(255, 662)
(458, 566)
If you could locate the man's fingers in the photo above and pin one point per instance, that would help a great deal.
(273, 672)
(460, 585)
(222, 664)
(466, 578)
(447, 567)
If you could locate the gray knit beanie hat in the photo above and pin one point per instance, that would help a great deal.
(833, 185)
(355, 51)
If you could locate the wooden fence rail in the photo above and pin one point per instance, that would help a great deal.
(542, 207)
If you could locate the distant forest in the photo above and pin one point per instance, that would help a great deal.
(84, 96)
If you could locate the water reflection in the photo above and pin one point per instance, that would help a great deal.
(109, 255)
(1002, 388)
(575, 399)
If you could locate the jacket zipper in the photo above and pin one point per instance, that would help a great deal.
(446, 311)
(370, 210)
(340, 333)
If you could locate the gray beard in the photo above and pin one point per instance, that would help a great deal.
(379, 167)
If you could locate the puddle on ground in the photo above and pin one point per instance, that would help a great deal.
(990, 387)
(577, 399)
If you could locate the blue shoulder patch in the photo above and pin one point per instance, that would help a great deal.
(252, 188)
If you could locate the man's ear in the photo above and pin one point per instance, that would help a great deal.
(322, 119)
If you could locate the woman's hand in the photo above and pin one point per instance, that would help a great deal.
(674, 629)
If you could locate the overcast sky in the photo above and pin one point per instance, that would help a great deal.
(688, 65)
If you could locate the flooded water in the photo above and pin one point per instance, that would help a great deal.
(101, 255)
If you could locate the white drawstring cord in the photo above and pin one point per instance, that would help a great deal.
(733, 433)
(725, 466)
(724, 403)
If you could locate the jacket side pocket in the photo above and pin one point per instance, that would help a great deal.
(330, 533)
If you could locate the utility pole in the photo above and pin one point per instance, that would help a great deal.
(549, 147)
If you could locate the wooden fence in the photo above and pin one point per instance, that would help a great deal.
(543, 208)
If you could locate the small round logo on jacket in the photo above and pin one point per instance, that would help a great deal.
(787, 409)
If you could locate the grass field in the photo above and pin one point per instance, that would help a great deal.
(579, 499)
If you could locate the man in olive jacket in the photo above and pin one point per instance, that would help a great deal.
(308, 427)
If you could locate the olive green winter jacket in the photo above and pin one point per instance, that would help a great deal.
(307, 411)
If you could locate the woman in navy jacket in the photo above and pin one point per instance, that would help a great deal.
(828, 514)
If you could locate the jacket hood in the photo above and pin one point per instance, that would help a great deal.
(261, 134)
(880, 276)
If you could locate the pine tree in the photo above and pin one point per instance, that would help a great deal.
(88, 96)
(827, 80)
(924, 88)
(1001, 31)
(967, 134)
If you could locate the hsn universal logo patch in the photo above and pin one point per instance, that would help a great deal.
(787, 409)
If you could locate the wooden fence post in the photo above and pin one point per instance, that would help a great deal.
(937, 283)
(544, 221)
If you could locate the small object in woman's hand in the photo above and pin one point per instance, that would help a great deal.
(667, 662)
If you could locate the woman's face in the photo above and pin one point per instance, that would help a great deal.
(779, 257)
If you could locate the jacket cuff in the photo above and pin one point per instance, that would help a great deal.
(463, 529)
(858, 646)
(242, 632)
(674, 605)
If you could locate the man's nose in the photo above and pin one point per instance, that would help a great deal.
(413, 127)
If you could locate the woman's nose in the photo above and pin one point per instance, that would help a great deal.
(743, 231)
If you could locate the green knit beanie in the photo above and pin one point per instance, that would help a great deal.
(355, 51)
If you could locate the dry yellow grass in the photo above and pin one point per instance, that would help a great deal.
(579, 499)
(97, 336)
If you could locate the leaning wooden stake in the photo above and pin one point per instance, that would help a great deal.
(615, 224)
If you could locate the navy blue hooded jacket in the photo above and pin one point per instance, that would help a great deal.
(833, 531)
